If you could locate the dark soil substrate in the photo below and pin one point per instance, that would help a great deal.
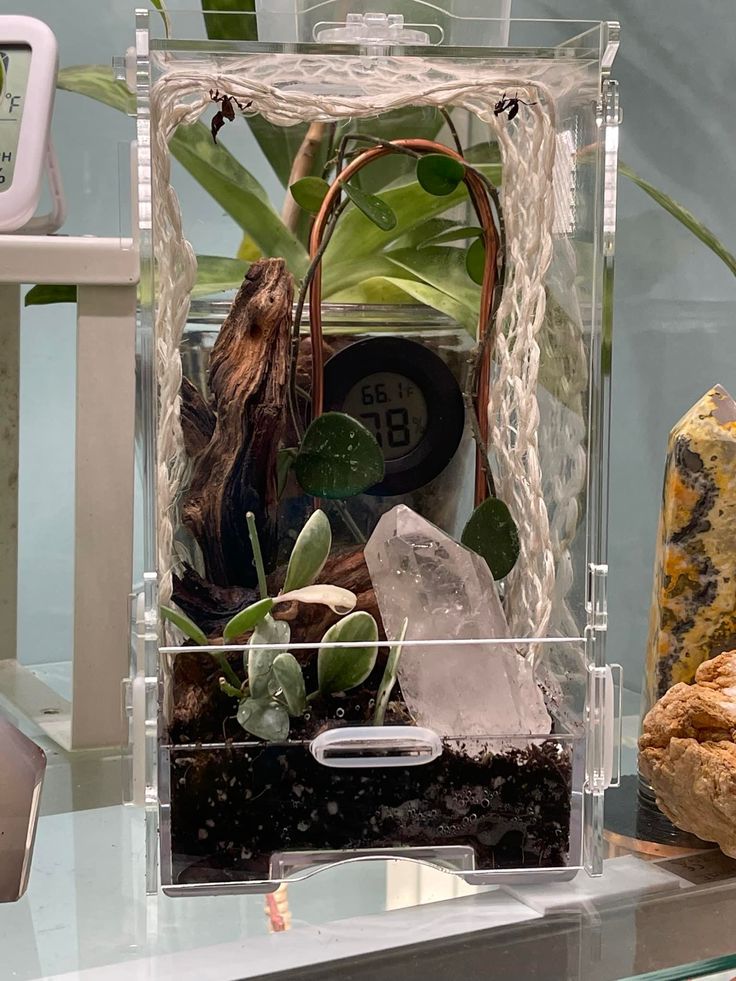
(232, 808)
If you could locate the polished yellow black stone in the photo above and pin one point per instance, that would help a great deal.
(693, 613)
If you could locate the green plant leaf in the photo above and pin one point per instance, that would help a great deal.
(259, 670)
(228, 20)
(475, 261)
(492, 533)
(257, 663)
(373, 207)
(389, 677)
(439, 174)
(339, 669)
(187, 626)
(309, 193)
(310, 552)
(237, 192)
(284, 462)
(392, 290)
(338, 457)
(265, 718)
(246, 620)
(288, 674)
(355, 236)
(456, 234)
(47, 293)
(161, 7)
(218, 274)
(443, 267)
(423, 233)
(338, 599)
(693, 224)
(215, 274)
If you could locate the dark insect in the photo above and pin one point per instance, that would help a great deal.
(510, 105)
(227, 113)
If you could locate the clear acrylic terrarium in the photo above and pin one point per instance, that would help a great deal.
(433, 344)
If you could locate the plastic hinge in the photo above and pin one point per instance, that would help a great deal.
(366, 746)
(604, 727)
(596, 604)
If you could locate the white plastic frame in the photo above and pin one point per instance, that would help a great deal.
(19, 202)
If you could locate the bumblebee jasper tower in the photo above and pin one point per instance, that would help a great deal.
(693, 616)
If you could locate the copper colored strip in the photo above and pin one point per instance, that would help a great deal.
(479, 198)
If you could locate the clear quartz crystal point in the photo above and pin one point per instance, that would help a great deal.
(445, 591)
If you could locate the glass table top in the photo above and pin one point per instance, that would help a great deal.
(658, 912)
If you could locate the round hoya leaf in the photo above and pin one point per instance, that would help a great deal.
(340, 668)
(439, 174)
(309, 193)
(475, 261)
(265, 718)
(338, 458)
(492, 533)
(380, 213)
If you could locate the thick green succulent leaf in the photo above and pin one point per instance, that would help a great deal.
(492, 533)
(389, 676)
(246, 620)
(339, 600)
(310, 552)
(439, 174)
(187, 626)
(257, 659)
(309, 193)
(288, 675)
(338, 458)
(373, 207)
(259, 670)
(265, 718)
(340, 669)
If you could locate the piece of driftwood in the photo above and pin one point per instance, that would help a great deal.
(197, 419)
(236, 471)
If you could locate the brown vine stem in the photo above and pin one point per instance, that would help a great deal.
(298, 313)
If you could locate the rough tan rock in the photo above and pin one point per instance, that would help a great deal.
(687, 752)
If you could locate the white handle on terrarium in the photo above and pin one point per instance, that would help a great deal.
(364, 746)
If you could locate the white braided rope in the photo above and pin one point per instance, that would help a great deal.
(290, 89)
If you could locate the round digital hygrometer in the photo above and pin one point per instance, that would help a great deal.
(408, 398)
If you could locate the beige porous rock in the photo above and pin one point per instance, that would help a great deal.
(687, 752)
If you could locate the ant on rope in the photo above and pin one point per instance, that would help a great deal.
(227, 113)
(510, 105)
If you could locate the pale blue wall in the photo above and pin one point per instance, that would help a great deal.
(674, 331)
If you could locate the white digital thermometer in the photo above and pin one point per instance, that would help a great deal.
(28, 67)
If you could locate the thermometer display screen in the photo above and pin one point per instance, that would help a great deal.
(393, 407)
(15, 63)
